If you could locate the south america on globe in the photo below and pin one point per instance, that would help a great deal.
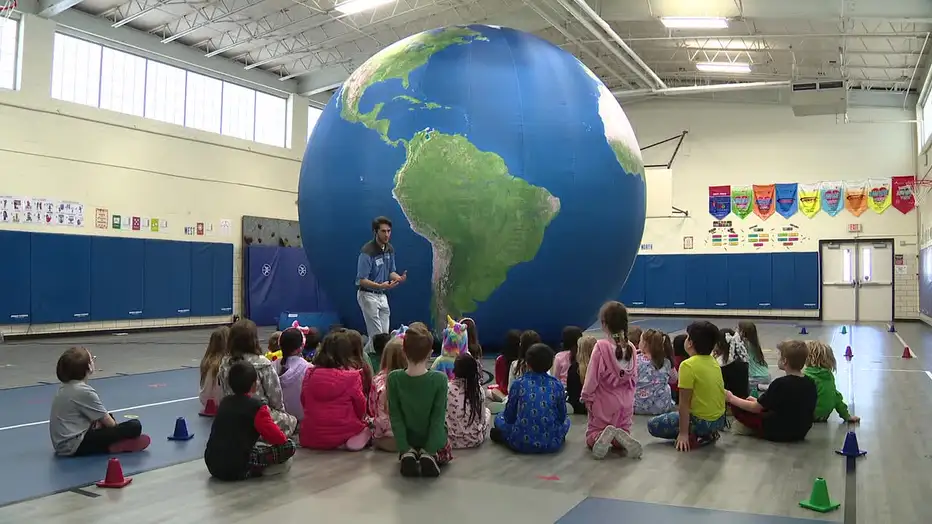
(510, 172)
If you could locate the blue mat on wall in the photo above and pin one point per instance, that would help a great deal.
(724, 281)
(278, 279)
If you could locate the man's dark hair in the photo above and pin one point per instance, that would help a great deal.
(378, 222)
(73, 364)
(704, 335)
(242, 377)
(539, 358)
(378, 342)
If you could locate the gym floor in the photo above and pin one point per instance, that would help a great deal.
(153, 376)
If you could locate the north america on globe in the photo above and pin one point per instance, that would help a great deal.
(505, 155)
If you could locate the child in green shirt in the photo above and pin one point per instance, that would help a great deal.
(417, 407)
(820, 367)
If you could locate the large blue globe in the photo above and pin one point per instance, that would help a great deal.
(511, 174)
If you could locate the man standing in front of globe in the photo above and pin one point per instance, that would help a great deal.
(375, 275)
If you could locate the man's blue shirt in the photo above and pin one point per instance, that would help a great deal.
(375, 262)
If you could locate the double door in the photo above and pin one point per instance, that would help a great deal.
(857, 281)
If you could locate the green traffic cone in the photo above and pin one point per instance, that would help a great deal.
(819, 499)
(844, 330)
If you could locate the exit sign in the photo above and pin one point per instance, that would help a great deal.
(854, 228)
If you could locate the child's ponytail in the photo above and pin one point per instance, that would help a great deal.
(614, 318)
(290, 343)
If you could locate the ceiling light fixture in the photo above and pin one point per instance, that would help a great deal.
(724, 67)
(680, 22)
(357, 6)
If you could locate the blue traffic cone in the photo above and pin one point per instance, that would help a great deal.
(802, 331)
(844, 330)
(892, 329)
(850, 449)
(181, 431)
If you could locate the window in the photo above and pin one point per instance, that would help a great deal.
(122, 82)
(8, 39)
(202, 103)
(86, 73)
(239, 111)
(165, 89)
(846, 266)
(313, 115)
(76, 71)
(866, 264)
(271, 119)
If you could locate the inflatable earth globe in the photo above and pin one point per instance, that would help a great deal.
(511, 175)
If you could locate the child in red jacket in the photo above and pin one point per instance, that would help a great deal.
(332, 398)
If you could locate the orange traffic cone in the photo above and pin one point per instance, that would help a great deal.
(907, 353)
(114, 478)
(210, 410)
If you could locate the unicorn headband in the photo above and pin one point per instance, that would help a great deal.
(400, 332)
(454, 336)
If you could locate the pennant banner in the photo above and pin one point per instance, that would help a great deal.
(832, 198)
(719, 201)
(786, 202)
(902, 189)
(742, 201)
(763, 201)
(810, 199)
(879, 196)
(856, 197)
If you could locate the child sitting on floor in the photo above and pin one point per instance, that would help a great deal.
(679, 355)
(519, 366)
(78, 423)
(393, 357)
(357, 359)
(468, 420)
(758, 372)
(210, 366)
(820, 367)
(291, 369)
(510, 350)
(567, 355)
(732, 357)
(577, 373)
(417, 407)
(701, 413)
(334, 404)
(472, 340)
(655, 373)
(455, 342)
(783, 413)
(535, 418)
(611, 381)
(233, 451)
(244, 345)
(379, 340)
(634, 336)
(311, 343)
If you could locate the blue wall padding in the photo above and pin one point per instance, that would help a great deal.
(725, 281)
(279, 280)
(61, 278)
(50, 278)
(15, 274)
(118, 268)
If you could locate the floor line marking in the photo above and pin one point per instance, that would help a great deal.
(154, 404)
(84, 492)
(903, 342)
(929, 374)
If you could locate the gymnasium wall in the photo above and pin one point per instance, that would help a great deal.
(165, 182)
(774, 261)
(925, 239)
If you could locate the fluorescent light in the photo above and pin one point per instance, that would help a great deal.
(357, 6)
(724, 67)
(680, 22)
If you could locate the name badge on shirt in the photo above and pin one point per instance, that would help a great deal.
(378, 262)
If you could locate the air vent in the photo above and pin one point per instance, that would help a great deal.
(819, 98)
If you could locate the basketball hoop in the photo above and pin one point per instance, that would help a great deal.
(7, 7)
(921, 190)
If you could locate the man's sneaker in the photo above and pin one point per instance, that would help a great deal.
(604, 442)
(631, 445)
(429, 467)
(131, 445)
(410, 466)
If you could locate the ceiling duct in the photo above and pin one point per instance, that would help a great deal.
(827, 97)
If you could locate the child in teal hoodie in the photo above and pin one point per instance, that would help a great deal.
(820, 367)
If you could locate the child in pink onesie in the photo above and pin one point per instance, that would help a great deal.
(611, 381)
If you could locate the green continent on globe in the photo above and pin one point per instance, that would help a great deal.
(630, 162)
(396, 61)
(479, 219)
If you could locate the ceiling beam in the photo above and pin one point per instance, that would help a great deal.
(50, 8)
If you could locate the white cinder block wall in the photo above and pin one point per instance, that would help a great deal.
(134, 166)
(742, 144)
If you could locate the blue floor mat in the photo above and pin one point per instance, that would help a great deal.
(32, 403)
(30, 469)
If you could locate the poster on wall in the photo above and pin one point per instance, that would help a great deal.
(742, 201)
(101, 218)
(154, 225)
(832, 198)
(786, 199)
(788, 236)
(810, 199)
(856, 197)
(763, 201)
(879, 196)
(116, 222)
(723, 235)
(137, 223)
(902, 188)
(226, 226)
(719, 201)
(758, 237)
